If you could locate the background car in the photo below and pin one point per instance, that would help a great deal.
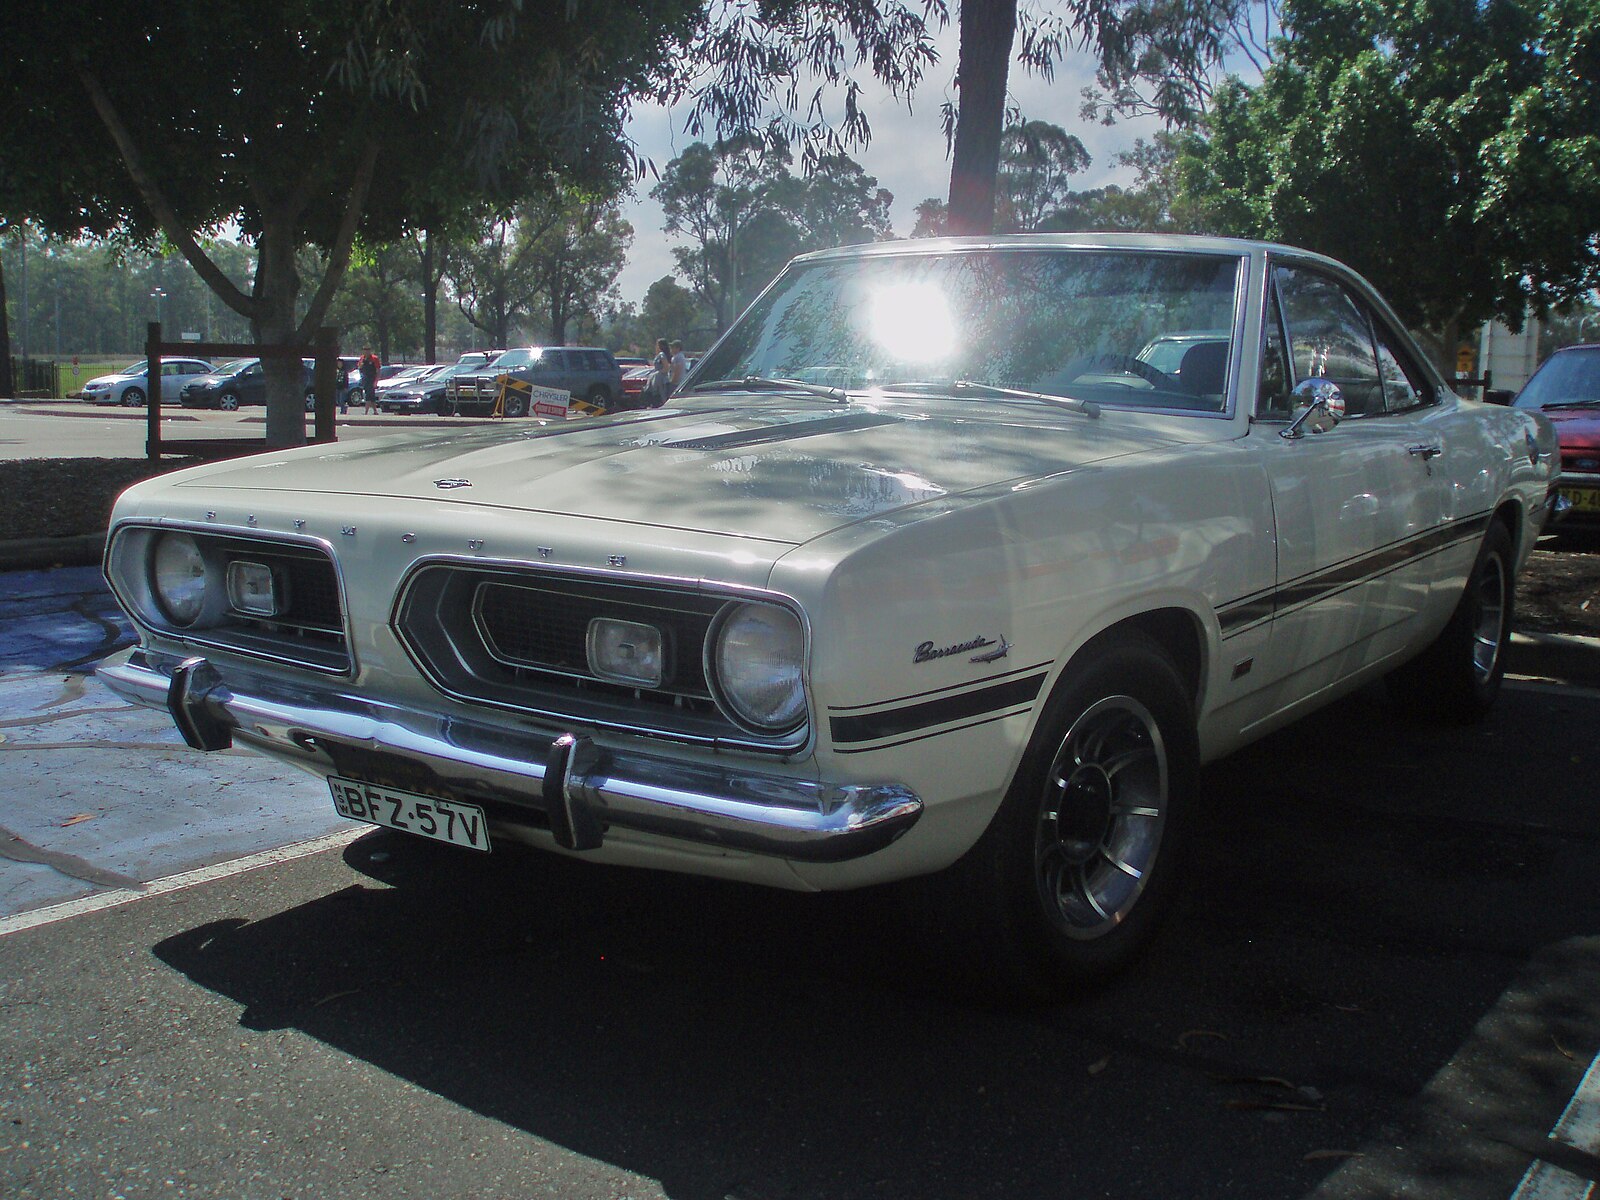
(425, 391)
(1566, 388)
(129, 388)
(585, 372)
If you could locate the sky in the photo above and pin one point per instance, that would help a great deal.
(906, 154)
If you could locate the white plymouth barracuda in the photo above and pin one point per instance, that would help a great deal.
(924, 570)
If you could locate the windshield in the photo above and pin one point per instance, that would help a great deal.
(137, 368)
(512, 359)
(1568, 377)
(1072, 323)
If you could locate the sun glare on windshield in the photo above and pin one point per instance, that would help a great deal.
(912, 322)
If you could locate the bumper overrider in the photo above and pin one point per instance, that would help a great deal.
(566, 785)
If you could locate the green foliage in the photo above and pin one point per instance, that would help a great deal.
(1447, 149)
(745, 214)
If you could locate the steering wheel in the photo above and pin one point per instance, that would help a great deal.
(1112, 363)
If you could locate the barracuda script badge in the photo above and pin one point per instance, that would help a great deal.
(928, 652)
(452, 483)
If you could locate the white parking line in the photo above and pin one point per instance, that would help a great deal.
(177, 883)
(1579, 1126)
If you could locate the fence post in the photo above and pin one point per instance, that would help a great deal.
(152, 391)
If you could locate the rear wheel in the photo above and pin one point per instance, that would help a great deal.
(133, 398)
(1075, 872)
(600, 396)
(228, 401)
(1458, 676)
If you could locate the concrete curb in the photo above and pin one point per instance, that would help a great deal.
(69, 408)
(1564, 657)
(33, 554)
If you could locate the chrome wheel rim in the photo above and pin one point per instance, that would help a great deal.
(1101, 818)
(1489, 630)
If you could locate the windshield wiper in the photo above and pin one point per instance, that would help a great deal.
(1087, 407)
(837, 395)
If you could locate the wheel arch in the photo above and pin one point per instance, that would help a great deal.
(1177, 631)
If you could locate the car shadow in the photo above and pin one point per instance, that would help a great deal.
(1362, 893)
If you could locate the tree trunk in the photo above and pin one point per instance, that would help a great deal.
(277, 289)
(988, 28)
(8, 385)
(430, 302)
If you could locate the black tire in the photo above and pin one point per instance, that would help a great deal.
(1073, 875)
(600, 396)
(1457, 678)
(228, 402)
(516, 405)
(133, 398)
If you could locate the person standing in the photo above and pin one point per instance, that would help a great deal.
(678, 368)
(660, 375)
(368, 368)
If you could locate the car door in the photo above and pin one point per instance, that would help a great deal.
(1355, 506)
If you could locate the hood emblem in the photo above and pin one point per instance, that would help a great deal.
(452, 483)
(928, 652)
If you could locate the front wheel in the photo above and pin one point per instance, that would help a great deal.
(228, 401)
(133, 398)
(1077, 868)
(516, 405)
(311, 401)
(1457, 678)
(599, 396)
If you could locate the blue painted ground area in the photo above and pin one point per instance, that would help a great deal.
(100, 793)
(59, 620)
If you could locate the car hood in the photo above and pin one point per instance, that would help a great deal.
(111, 380)
(786, 473)
(1576, 428)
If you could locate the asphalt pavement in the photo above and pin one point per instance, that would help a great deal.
(1385, 981)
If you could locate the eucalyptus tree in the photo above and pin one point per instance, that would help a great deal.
(301, 106)
(575, 257)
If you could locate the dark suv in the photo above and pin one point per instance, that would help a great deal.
(586, 372)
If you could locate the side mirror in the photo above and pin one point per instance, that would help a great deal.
(1319, 404)
(1498, 395)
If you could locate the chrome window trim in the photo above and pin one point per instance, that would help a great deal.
(136, 611)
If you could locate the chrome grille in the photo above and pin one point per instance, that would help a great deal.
(310, 631)
(516, 638)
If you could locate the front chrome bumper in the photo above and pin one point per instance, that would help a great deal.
(565, 784)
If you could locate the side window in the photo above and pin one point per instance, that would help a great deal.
(1404, 383)
(1273, 401)
(1330, 338)
(599, 360)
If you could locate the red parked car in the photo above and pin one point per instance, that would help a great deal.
(1566, 388)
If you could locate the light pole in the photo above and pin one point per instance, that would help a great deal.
(158, 294)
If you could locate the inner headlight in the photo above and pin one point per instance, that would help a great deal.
(178, 574)
(757, 659)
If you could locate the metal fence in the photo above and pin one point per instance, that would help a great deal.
(34, 378)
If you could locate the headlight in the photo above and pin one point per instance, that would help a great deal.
(757, 656)
(178, 574)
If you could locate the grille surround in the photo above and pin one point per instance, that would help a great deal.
(313, 632)
(445, 618)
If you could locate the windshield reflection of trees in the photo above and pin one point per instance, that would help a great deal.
(1021, 320)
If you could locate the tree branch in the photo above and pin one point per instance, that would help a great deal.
(159, 206)
(339, 252)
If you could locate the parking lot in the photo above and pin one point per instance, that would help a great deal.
(1385, 981)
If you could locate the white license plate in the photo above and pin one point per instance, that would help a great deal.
(1586, 499)
(426, 816)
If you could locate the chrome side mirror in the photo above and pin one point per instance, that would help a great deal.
(1320, 405)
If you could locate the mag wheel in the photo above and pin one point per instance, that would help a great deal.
(133, 398)
(1073, 875)
(1458, 676)
(228, 401)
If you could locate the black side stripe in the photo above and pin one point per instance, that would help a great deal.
(1233, 617)
(895, 721)
(922, 737)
